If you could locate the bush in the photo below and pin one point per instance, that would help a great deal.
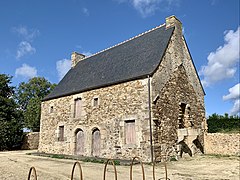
(220, 123)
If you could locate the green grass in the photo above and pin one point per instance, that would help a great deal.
(58, 156)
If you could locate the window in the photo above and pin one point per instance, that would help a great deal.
(77, 107)
(51, 109)
(95, 102)
(61, 133)
(130, 132)
(189, 117)
(181, 114)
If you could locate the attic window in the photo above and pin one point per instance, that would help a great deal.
(95, 102)
(51, 109)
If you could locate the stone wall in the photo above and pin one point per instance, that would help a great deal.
(117, 104)
(30, 140)
(168, 133)
(175, 82)
(220, 143)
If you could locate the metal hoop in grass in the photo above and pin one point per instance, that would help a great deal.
(80, 170)
(165, 167)
(34, 172)
(105, 168)
(143, 174)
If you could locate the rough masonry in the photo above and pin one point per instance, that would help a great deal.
(105, 104)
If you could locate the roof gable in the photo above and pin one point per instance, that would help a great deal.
(135, 58)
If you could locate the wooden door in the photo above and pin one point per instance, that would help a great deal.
(96, 142)
(80, 142)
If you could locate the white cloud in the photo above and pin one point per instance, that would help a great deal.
(234, 93)
(146, 7)
(221, 62)
(87, 53)
(149, 7)
(85, 11)
(24, 48)
(62, 67)
(236, 108)
(26, 71)
(25, 33)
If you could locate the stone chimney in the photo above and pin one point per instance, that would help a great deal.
(76, 57)
(172, 21)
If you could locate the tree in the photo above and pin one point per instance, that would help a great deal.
(29, 96)
(10, 116)
(223, 123)
(32, 114)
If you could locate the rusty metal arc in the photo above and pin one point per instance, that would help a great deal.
(143, 174)
(165, 168)
(32, 169)
(80, 170)
(105, 169)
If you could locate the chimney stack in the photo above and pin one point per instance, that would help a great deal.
(76, 57)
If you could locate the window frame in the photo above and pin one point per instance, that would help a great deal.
(51, 109)
(130, 126)
(61, 133)
(77, 108)
(95, 102)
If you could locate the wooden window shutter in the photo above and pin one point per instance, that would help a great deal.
(130, 132)
(78, 107)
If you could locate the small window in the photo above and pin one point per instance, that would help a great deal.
(181, 120)
(130, 132)
(77, 107)
(61, 133)
(189, 117)
(95, 102)
(51, 109)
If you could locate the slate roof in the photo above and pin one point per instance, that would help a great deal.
(136, 58)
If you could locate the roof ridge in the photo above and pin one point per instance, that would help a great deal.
(118, 44)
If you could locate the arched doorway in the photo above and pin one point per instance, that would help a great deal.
(96, 142)
(79, 142)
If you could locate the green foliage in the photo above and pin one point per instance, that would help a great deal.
(29, 96)
(32, 114)
(10, 116)
(37, 87)
(226, 123)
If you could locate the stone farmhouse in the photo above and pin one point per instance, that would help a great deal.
(141, 97)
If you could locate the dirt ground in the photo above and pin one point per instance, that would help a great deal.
(15, 165)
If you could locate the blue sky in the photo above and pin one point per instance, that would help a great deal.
(37, 37)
